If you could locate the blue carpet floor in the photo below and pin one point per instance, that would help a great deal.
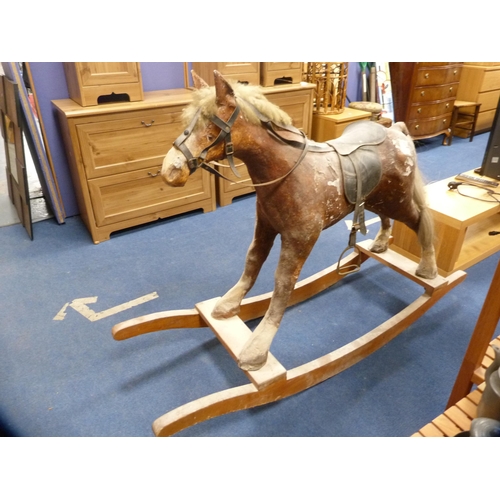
(69, 377)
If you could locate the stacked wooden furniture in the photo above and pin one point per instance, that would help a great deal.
(480, 82)
(462, 404)
(115, 153)
(424, 94)
(297, 101)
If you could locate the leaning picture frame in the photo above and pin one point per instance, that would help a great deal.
(36, 144)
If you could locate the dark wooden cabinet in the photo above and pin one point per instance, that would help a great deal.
(424, 94)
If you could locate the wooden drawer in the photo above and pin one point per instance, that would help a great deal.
(419, 111)
(120, 197)
(423, 94)
(427, 127)
(491, 81)
(484, 120)
(489, 100)
(437, 76)
(123, 145)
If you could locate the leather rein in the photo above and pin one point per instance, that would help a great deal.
(225, 135)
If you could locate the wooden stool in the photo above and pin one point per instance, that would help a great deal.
(463, 120)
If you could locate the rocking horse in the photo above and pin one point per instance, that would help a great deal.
(302, 187)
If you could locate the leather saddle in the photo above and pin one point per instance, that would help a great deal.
(360, 162)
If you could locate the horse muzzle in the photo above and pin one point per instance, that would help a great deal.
(175, 170)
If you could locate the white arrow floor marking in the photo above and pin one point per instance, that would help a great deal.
(80, 305)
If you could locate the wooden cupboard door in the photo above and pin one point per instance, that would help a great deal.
(107, 73)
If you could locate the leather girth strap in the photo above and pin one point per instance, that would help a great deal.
(361, 171)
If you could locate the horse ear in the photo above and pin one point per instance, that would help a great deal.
(199, 83)
(223, 91)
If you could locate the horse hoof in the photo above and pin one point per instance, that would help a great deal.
(427, 274)
(378, 247)
(252, 364)
(221, 312)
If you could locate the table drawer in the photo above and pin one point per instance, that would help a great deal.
(428, 76)
(120, 197)
(124, 145)
(424, 94)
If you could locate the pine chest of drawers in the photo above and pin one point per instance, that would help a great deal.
(424, 94)
(115, 153)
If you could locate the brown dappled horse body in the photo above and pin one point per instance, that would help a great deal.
(299, 205)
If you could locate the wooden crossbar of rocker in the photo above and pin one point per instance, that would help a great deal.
(273, 382)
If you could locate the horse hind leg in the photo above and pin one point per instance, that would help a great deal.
(427, 267)
(381, 242)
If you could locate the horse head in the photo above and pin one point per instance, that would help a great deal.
(208, 133)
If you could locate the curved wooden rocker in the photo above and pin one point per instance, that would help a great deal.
(273, 382)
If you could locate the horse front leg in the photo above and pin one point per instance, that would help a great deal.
(229, 305)
(293, 255)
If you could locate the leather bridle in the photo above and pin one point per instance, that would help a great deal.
(195, 162)
(224, 135)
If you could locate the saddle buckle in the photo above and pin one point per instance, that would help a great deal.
(352, 236)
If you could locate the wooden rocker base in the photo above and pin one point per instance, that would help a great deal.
(273, 382)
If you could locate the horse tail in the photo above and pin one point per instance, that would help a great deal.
(426, 222)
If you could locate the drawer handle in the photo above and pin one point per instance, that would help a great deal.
(426, 75)
(417, 127)
(419, 110)
(422, 93)
(451, 89)
(148, 124)
(155, 175)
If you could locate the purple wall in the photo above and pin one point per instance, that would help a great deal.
(50, 84)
